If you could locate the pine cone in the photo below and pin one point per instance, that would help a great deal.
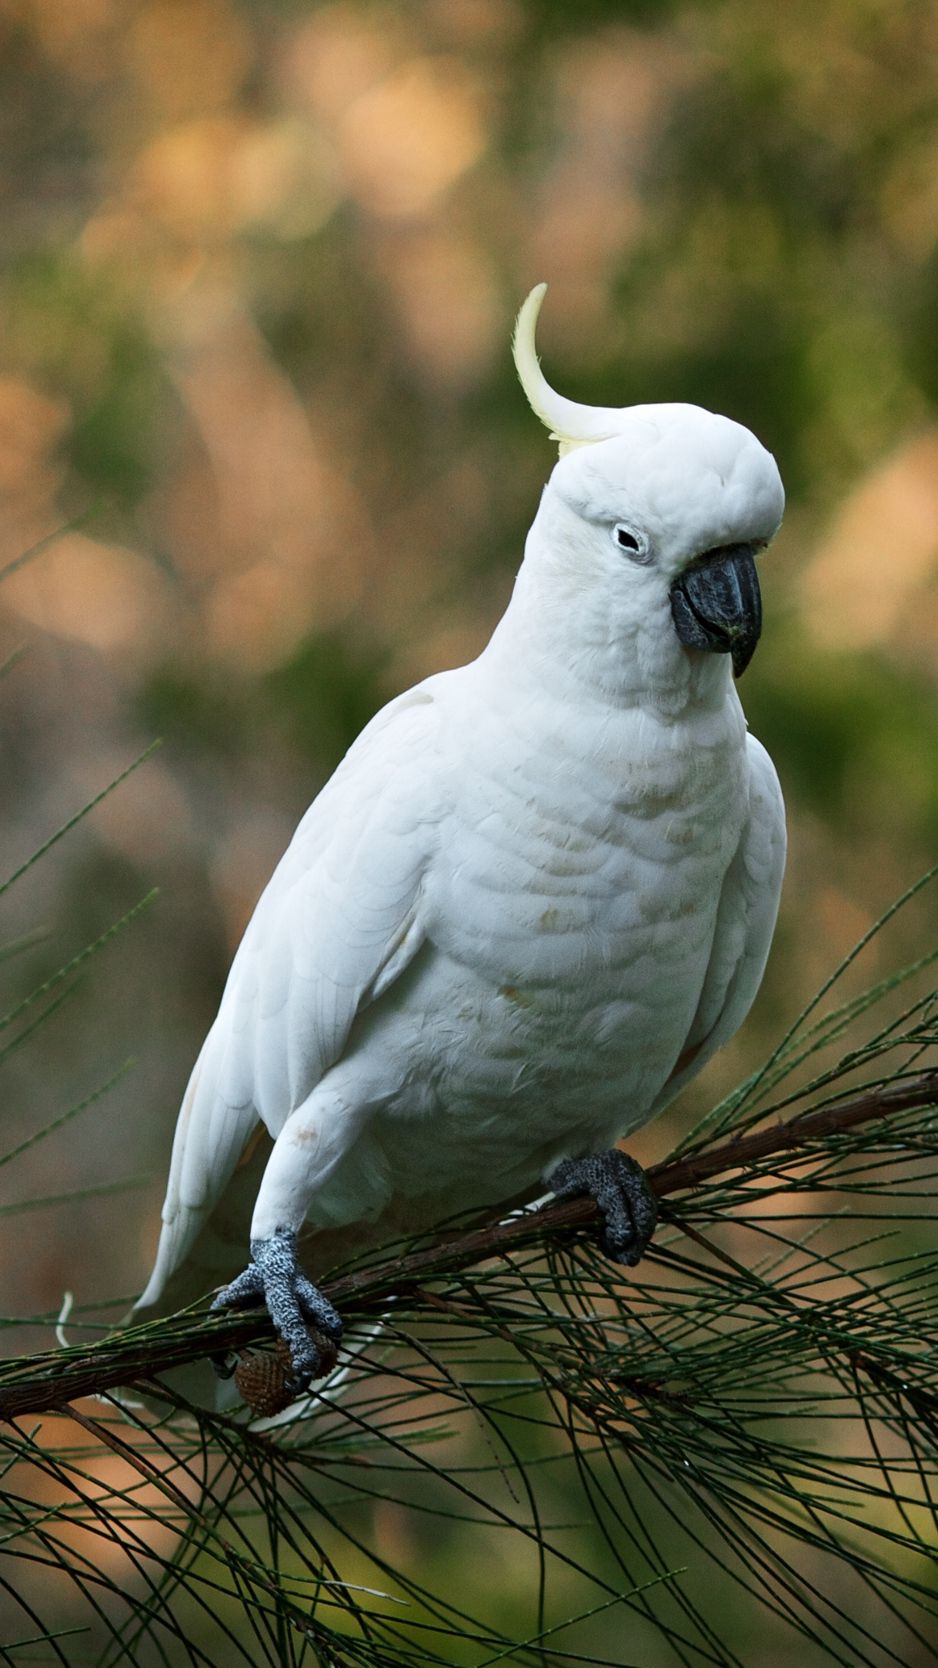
(263, 1375)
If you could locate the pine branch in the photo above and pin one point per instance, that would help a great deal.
(49, 1380)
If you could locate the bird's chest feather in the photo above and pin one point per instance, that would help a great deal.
(572, 921)
(562, 851)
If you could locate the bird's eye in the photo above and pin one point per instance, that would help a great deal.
(630, 543)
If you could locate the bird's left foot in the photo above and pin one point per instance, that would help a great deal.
(621, 1190)
(297, 1308)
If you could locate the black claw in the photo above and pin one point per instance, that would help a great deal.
(621, 1190)
(275, 1278)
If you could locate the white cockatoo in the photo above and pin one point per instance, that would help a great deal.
(533, 900)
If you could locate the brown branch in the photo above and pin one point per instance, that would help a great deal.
(52, 1379)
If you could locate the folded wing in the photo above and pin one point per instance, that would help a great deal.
(339, 921)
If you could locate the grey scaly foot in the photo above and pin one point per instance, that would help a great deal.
(274, 1277)
(621, 1190)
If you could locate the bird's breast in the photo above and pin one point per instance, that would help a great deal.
(571, 913)
(581, 852)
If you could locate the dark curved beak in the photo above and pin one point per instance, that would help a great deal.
(716, 604)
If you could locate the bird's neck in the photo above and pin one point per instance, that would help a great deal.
(566, 643)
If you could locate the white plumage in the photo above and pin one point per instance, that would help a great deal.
(535, 897)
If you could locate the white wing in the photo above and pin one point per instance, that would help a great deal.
(745, 923)
(338, 922)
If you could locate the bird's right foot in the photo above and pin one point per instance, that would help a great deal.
(297, 1308)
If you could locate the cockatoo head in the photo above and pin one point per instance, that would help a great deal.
(656, 511)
